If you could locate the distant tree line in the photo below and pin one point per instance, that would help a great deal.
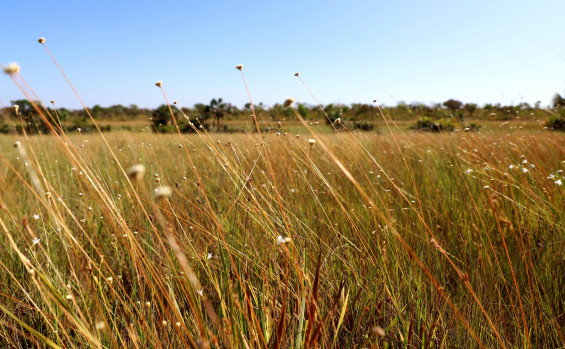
(212, 116)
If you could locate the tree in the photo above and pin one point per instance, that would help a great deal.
(302, 110)
(97, 111)
(162, 116)
(558, 101)
(25, 107)
(453, 104)
(218, 109)
(470, 108)
(31, 122)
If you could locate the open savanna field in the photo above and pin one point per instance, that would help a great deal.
(297, 238)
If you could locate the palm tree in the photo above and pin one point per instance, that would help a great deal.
(217, 108)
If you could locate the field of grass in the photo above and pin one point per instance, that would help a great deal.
(401, 239)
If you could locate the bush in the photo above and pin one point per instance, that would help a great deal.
(4, 127)
(363, 126)
(556, 123)
(474, 126)
(429, 125)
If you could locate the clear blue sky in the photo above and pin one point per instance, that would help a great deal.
(347, 51)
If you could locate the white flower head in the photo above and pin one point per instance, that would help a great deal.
(163, 192)
(311, 141)
(36, 216)
(239, 66)
(281, 240)
(159, 83)
(136, 172)
(41, 40)
(12, 68)
(558, 182)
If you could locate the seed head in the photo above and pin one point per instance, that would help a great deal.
(283, 240)
(239, 66)
(379, 331)
(159, 83)
(296, 74)
(163, 192)
(136, 172)
(312, 141)
(17, 144)
(15, 108)
(41, 40)
(12, 68)
(53, 101)
(288, 102)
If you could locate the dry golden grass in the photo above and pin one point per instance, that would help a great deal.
(404, 239)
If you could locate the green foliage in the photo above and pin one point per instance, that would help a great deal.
(363, 125)
(302, 110)
(556, 123)
(474, 126)
(162, 116)
(5, 127)
(429, 125)
(470, 108)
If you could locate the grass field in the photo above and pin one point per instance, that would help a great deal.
(365, 240)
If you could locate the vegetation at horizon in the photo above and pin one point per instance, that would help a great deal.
(451, 115)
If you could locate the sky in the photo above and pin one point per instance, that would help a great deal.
(352, 51)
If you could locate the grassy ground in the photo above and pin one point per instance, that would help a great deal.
(358, 240)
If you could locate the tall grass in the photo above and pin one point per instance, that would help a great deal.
(94, 259)
(273, 240)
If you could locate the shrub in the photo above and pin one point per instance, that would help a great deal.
(363, 126)
(4, 127)
(427, 124)
(474, 126)
(556, 123)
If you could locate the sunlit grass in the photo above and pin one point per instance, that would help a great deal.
(94, 259)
